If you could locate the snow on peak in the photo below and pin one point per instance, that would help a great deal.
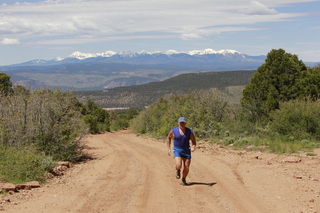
(224, 52)
(108, 54)
(170, 52)
(81, 56)
(211, 51)
(127, 54)
(143, 52)
(58, 59)
(130, 54)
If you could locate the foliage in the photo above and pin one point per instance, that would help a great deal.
(50, 120)
(95, 117)
(22, 164)
(5, 84)
(278, 79)
(40, 127)
(309, 84)
(120, 120)
(298, 119)
(204, 110)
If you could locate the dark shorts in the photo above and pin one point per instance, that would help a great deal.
(182, 152)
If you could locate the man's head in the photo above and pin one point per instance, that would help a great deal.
(182, 121)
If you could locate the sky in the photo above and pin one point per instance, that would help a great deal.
(35, 29)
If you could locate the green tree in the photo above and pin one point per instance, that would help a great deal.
(131, 113)
(309, 85)
(91, 105)
(95, 117)
(276, 80)
(120, 119)
(5, 84)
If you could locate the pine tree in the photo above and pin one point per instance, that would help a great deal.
(5, 84)
(276, 80)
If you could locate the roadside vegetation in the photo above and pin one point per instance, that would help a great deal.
(120, 119)
(278, 112)
(40, 127)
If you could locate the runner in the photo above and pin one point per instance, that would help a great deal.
(181, 148)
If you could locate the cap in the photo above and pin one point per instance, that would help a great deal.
(182, 119)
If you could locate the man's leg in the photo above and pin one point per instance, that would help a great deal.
(178, 166)
(186, 166)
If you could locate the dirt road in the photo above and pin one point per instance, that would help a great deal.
(134, 174)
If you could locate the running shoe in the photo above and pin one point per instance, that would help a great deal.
(184, 182)
(178, 174)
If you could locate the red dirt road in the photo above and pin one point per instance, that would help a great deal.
(135, 174)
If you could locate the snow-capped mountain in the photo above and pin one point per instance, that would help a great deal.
(224, 59)
(129, 54)
(88, 71)
(81, 56)
(200, 58)
(112, 69)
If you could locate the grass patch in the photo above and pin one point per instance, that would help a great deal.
(22, 164)
(272, 145)
(280, 147)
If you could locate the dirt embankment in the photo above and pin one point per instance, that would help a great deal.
(134, 174)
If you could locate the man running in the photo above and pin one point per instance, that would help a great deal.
(181, 148)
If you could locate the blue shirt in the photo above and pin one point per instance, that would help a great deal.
(181, 141)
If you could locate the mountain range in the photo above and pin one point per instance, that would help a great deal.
(193, 58)
(95, 71)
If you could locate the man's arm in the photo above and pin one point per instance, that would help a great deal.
(170, 135)
(194, 142)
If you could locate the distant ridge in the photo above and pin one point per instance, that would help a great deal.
(139, 96)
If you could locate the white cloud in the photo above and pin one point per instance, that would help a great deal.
(257, 8)
(10, 41)
(192, 19)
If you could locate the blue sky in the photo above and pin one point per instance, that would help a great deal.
(57, 28)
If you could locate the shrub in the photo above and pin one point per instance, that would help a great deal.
(119, 124)
(297, 119)
(50, 120)
(22, 164)
(205, 111)
(95, 117)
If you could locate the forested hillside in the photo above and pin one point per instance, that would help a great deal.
(140, 96)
